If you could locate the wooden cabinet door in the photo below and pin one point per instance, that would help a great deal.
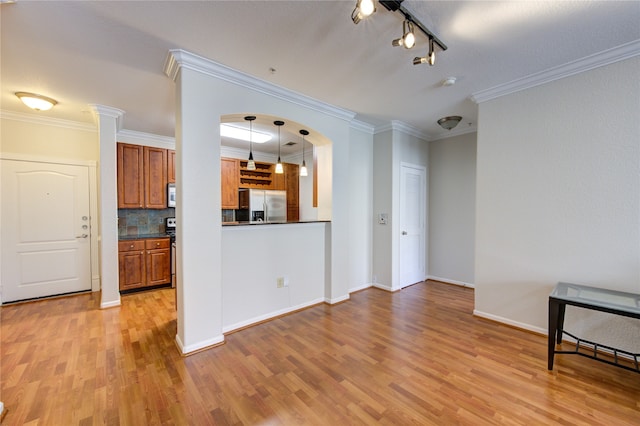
(229, 176)
(171, 166)
(130, 176)
(158, 266)
(155, 174)
(132, 270)
(292, 183)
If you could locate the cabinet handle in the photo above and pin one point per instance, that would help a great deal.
(131, 245)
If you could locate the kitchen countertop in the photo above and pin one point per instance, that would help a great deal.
(272, 223)
(142, 236)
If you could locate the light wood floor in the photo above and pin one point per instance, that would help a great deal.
(417, 356)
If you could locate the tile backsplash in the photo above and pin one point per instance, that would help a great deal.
(135, 222)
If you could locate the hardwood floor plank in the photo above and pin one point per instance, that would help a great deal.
(417, 356)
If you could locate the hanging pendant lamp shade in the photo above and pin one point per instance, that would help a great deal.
(279, 168)
(251, 165)
(303, 168)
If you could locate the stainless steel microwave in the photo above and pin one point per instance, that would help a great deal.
(171, 195)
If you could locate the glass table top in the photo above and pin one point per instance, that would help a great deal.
(609, 299)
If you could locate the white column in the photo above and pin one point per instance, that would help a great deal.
(108, 120)
(199, 233)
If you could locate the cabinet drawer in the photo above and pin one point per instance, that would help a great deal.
(131, 245)
(157, 243)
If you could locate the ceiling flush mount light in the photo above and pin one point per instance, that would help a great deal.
(303, 168)
(429, 59)
(241, 133)
(279, 168)
(450, 122)
(408, 39)
(363, 9)
(251, 165)
(37, 102)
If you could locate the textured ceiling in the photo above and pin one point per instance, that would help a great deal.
(113, 53)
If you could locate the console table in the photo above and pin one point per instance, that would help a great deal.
(597, 299)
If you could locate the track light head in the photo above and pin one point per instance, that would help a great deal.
(429, 59)
(408, 39)
(363, 9)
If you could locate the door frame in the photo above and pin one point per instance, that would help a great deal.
(93, 203)
(425, 219)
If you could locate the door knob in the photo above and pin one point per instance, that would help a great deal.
(404, 232)
(82, 236)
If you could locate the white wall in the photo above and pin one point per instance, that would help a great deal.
(360, 217)
(452, 206)
(255, 256)
(392, 147)
(558, 199)
(25, 134)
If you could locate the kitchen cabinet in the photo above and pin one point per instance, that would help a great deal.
(131, 261)
(229, 180)
(171, 166)
(155, 177)
(130, 167)
(292, 186)
(144, 263)
(142, 177)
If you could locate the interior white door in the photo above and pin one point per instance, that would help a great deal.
(412, 224)
(46, 229)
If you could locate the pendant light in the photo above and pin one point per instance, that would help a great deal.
(279, 168)
(251, 165)
(303, 168)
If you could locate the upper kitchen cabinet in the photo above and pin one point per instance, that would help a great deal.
(155, 178)
(229, 173)
(171, 166)
(130, 176)
(292, 186)
(142, 177)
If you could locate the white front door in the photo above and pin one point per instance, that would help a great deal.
(46, 229)
(412, 224)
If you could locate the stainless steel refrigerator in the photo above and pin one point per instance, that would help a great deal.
(267, 205)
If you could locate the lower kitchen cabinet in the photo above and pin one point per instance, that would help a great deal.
(144, 263)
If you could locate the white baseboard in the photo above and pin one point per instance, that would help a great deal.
(111, 304)
(270, 315)
(450, 281)
(385, 287)
(362, 287)
(186, 350)
(512, 323)
(337, 299)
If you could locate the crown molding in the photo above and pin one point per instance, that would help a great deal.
(403, 127)
(610, 56)
(362, 126)
(178, 58)
(46, 121)
(107, 111)
(148, 139)
(454, 132)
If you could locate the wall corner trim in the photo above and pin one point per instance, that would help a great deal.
(196, 347)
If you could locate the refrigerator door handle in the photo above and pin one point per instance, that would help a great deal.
(265, 207)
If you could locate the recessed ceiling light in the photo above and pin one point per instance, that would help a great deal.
(237, 132)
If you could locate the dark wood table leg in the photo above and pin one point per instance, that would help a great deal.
(560, 326)
(554, 313)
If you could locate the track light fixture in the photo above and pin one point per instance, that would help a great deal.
(251, 165)
(279, 168)
(303, 168)
(363, 9)
(408, 35)
(408, 39)
(429, 59)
